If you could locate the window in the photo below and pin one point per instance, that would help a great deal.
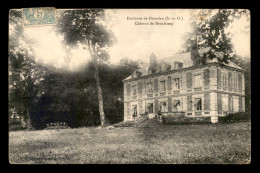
(229, 80)
(176, 106)
(134, 111)
(197, 81)
(235, 82)
(197, 104)
(163, 87)
(176, 83)
(236, 104)
(134, 90)
(225, 103)
(224, 80)
(162, 106)
(150, 108)
(197, 62)
(150, 88)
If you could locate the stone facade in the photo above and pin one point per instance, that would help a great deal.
(208, 90)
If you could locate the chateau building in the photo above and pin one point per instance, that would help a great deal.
(181, 84)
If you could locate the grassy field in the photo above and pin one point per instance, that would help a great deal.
(213, 143)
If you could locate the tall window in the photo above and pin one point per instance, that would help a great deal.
(150, 88)
(163, 87)
(134, 90)
(134, 111)
(197, 81)
(197, 104)
(150, 107)
(225, 102)
(162, 106)
(235, 82)
(224, 80)
(236, 104)
(230, 81)
(176, 83)
(176, 106)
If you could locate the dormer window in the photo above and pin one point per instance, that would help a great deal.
(178, 65)
(163, 67)
(149, 71)
(134, 74)
(197, 61)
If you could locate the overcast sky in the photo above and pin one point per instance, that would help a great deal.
(134, 41)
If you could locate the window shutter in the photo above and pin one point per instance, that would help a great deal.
(230, 103)
(189, 80)
(219, 102)
(206, 77)
(156, 85)
(229, 81)
(240, 104)
(140, 106)
(189, 103)
(156, 106)
(240, 83)
(128, 111)
(140, 88)
(206, 101)
(219, 78)
(169, 82)
(169, 104)
(128, 89)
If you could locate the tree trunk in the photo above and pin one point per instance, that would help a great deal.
(99, 90)
(30, 85)
(100, 97)
(28, 121)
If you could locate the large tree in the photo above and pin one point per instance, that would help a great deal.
(25, 74)
(212, 32)
(87, 26)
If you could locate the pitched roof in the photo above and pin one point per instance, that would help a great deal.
(184, 58)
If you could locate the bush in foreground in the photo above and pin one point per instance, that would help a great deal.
(182, 119)
(236, 117)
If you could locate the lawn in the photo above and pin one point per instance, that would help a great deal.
(179, 144)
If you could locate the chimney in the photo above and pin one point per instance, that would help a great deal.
(194, 50)
(194, 54)
(153, 61)
(178, 65)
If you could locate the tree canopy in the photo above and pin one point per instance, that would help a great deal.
(212, 32)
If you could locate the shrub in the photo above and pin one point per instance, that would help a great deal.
(14, 123)
(57, 125)
(16, 127)
(182, 119)
(235, 117)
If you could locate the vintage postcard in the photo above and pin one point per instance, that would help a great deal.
(129, 86)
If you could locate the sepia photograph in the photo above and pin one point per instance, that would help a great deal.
(129, 86)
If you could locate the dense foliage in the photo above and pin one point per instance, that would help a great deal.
(71, 97)
(213, 32)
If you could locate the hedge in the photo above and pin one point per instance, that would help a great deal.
(235, 117)
(181, 119)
